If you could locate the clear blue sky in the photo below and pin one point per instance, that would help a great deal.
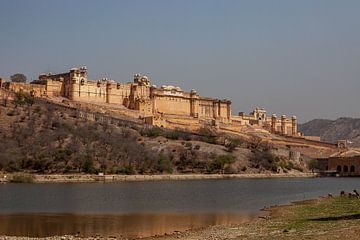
(293, 57)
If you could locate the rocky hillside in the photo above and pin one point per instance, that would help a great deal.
(41, 137)
(334, 130)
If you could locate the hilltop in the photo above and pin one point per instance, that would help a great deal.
(334, 130)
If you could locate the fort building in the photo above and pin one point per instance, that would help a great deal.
(344, 163)
(167, 106)
(279, 125)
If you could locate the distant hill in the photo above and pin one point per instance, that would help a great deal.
(333, 130)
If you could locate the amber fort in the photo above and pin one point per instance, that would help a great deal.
(165, 106)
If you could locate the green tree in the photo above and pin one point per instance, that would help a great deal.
(23, 98)
(18, 77)
(164, 164)
(313, 164)
(219, 163)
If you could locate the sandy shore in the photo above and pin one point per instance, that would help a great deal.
(73, 178)
(250, 229)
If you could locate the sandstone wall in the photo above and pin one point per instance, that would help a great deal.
(172, 105)
(35, 89)
(118, 93)
(346, 166)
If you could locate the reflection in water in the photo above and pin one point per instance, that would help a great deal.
(131, 225)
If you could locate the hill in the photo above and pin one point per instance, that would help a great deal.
(41, 137)
(334, 130)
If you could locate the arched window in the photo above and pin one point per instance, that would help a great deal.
(346, 168)
(338, 168)
(352, 168)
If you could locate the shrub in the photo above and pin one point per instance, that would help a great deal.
(232, 144)
(37, 109)
(22, 178)
(128, 170)
(152, 132)
(11, 113)
(164, 164)
(173, 135)
(208, 135)
(218, 164)
(188, 144)
(298, 168)
(313, 164)
(88, 166)
(23, 98)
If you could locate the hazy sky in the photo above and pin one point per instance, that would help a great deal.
(291, 57)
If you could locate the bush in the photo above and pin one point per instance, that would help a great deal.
(23, 98)
(152, 132)
(188, 144)
(11, 113)
(88, 166)
(298, 168)
(37, 109)
(164, 164)
(313, 164)
(267, 160)
(173, 135)
(218, 164)
(232, 144)
(208, 135)
(128, 170)
(22, 178)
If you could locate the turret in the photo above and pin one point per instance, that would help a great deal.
(283, 124)
(293, 125)
(194, 103)
(273, 123)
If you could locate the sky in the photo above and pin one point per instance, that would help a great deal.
(291, 57)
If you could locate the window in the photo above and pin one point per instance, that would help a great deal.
(346, 168)
(338, 168)
(352, 168)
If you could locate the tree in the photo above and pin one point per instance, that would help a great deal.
(219, 163)
(313, 164)
(23, 98)
(18, 77)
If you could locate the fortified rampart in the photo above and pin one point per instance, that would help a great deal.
(166, 106)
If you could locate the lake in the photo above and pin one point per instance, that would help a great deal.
(139, 209)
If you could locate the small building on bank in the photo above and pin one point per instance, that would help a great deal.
(345, 163)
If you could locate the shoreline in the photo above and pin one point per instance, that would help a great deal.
(88, 178)
(207, 233)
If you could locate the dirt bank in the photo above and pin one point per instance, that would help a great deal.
(72, 178)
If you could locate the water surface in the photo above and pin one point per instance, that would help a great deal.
(149, 208)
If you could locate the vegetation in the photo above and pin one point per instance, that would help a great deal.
(219, 163)
(23, 98)
(18, 77)
(327, 219)
(22, 178)
(44, 138)
(208, 135)
(232, 144)
(313, 164)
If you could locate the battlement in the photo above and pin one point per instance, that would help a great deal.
(160, 103)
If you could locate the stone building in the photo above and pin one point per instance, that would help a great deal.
(167, 106)
(345, 163)
(274, 124)
(138, 95)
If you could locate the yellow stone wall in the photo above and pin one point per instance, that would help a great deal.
(172, 105)
(35, 89)
(118, 93)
